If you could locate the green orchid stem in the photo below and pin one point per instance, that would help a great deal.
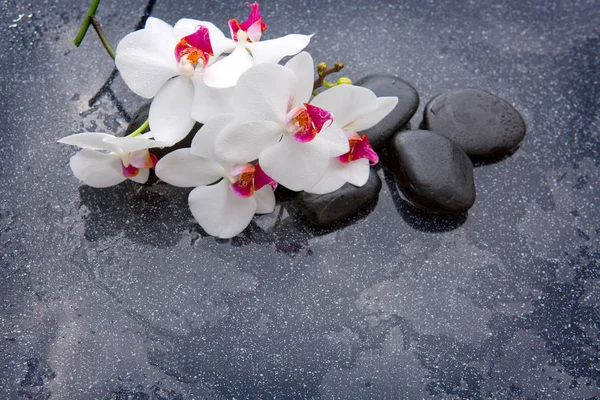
(140, 130)
(86, 22)
(103, 38)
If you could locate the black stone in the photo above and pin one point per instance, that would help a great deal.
(432, 171)
(138, 119)
(483, 125)
(408, 103)
(324, 210)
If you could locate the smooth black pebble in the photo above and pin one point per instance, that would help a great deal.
(432, 171)
(139, 117)
(408, 103)
(324, 210)
(486, 127)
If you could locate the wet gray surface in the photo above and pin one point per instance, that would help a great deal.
(117, 293)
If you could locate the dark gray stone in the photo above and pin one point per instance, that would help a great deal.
(408, 103)
(324, 210)
(483, 125)
(138, 119)
(432, 171)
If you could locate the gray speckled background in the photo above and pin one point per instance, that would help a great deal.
(117, 293)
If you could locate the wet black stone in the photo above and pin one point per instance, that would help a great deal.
(483, 125)
(432, 171)
(324, 210)
(408, 103)
(138, 118)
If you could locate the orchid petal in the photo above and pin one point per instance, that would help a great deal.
(338, 174)
(385, 105)
(129, 171)
(297, 166)
(242, 142)
(303, 67)
(225, 72)
(219, 211)
(333, 179)
(357, 172)
(335, 138)
(318, 116)
(239, 169)
(265, 200)
(234, 28)
(169, 114)
(218, 41)
(142, 176)
(253, 18)
(209, 101)
(158, 25)
(145, 135)
(184, 169)
(261, 179)
(129, 144)
(264, 92)
(255, 31)
(244, 185)
(272, 51)
(195, 47)
(347, 103)
(203, 143)
(90, 140)
(97, 169)
(145, 59)
(360, 148)
(142, 159)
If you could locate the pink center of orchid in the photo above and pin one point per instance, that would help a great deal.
(253, 26)
(359, 148)
(305, 122)
(247, 178)
(132, 162)
(195, 47)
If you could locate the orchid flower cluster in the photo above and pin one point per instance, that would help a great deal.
(262, 127)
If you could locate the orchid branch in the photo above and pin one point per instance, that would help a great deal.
(86, 23)
(90, 19)
(323, 72)
(103, 38)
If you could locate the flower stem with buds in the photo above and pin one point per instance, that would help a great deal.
(90, 19)
(323, 72)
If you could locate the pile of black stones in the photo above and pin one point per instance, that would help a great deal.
(432, 166)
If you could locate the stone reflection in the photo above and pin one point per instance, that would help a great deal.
(158, 215)
(419, 219)
(147, 215)
(289, 230)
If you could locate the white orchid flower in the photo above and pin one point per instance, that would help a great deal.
(355, 109)
(168, 64)
(274, 123)
(225, 208)
(247, 50)
(106, 160)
